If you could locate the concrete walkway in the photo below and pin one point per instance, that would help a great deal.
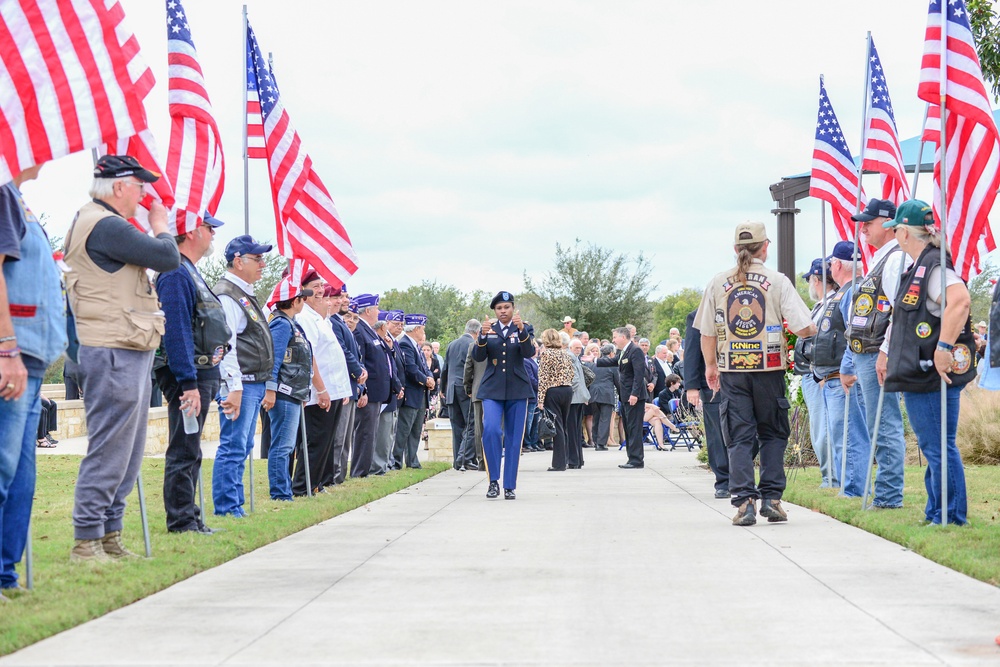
(599, 566)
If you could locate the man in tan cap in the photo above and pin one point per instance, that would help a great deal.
(568, 326)
(740, 319)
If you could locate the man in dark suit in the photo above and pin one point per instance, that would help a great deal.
(505, 390)
(459, 402)
(632, 367)
(697, 390)
(335, 471)
(417, 380)
(602, 395)
(661, 370)
(376, 388)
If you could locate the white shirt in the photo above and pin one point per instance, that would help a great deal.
(237, 321)
(893, 269)
(329, 355)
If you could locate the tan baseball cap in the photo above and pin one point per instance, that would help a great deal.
(748, 233)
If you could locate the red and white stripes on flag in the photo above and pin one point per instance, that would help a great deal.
(66, 81)
(834, 176)
(140, 145)
(882, 153)
(255, 128)
(309, 226)
(972, 144)
(290, 284)
(195, 164)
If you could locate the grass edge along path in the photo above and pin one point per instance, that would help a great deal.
(973, 549)
(67, 594)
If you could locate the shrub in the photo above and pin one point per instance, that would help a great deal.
(979, 426)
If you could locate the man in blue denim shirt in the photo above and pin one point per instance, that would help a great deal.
(32, 336)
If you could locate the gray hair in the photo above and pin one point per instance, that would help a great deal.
(473, 327)
(643, 340)
(410, 327)
(103, 188)
(564, 337)
(607, 349)
(364, 311)
(660, 347)
(379, 325)
(622, 331)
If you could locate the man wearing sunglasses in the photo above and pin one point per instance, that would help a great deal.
(119, 324)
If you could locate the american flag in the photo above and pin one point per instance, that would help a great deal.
(66, 81)
(140, 145)
(882, 153)
(195, 164)
(255, 148)
(834, 177)
(972, 145)
(309, 226)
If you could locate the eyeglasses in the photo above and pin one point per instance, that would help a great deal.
(142, 186)
(260, 259)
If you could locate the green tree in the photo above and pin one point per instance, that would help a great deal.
(986, 30)
(981, 291)
(672, 311)
(600, 289)
(446, 307)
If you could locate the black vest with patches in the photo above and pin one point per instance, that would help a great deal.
(803, 350)
(870, 309)
(915, 334)
(831, 341)
(254, 348)
(295, 370)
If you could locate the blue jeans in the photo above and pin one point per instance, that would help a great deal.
(924, 411)
(890, 450)
(284, 429)
(235, 444)
(858, 444)
(819, 430)
(18, 428)
(531, 432)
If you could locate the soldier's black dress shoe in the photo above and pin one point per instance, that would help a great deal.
(508, 494)
(494, 490)
(600, 448)
(631, 466)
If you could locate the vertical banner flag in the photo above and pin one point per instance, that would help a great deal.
(972, 146)
(882, 153)
(311, 227)
(834, 177)
(195, 163)
(66, 81)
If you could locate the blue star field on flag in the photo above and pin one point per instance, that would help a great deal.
(828, 127)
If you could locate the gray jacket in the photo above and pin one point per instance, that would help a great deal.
(602, 389)
(473, 375)
(581, 394)
(453, 369)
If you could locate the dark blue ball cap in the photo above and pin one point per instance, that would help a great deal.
(844, 250)
(211, 221)
(877, 208)
(245, 245)
(816, 269)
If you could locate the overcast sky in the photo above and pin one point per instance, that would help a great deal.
(462, 140)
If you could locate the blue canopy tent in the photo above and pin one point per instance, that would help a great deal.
(790, 189)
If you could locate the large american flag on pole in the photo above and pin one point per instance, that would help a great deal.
(834, 177)
(309, 226)
(972, 146)
(195, 164)
(882, 153)
(140, 145)
(66, 79)
(254, 123)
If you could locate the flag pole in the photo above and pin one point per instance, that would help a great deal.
(246, 160)
(943, 85)
(920, 152)
(826, 294)
(857, 243)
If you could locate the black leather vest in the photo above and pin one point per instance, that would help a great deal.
(295, 370)
(254, 348)
(915, 334)
(802, 353)
(870, 309)
(831, 341)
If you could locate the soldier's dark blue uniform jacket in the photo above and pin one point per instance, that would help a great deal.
(376, 363)
(505, 378)
(415, 374)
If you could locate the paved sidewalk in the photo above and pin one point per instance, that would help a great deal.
(599, 566)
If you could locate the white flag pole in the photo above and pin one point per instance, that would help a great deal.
(943, 83)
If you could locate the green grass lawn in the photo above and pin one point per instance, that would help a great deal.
(67, 594)
(973, 549)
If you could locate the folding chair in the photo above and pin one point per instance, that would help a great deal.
(688, 427)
